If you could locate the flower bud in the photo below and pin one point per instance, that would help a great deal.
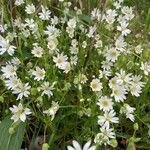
(45, 146)
(136, 126)
(113, 143)
(11, 130)
(1, 99)
(6, 111)
(33, 91)
(131, 146)
(29, 65)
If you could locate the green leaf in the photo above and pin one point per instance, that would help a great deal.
(11, 141)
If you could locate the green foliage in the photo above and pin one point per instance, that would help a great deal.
(11, 141)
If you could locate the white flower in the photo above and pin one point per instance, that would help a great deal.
(54, 20)
(118, 92)
(9, 71)
(52, 44)
(121, 19)
(46, 89)
(84, 44)
(112, 54)
(37, 51)
(109, 117)
(76, 146)
(80, 79)
(30, 9)
(104, 136)
(3, 28)
(73, 60)
(138, 49)
(104, 73)
(45, 14)
(15, 61)
(96, 14)
(39, 74)
(106, 65)
(52, 31)
(5, 46)
(124, 78)
(19, 2)
(22, 90)
(135, 90)
(120, 44)
(128, 12)
(30, 23)
(110, 16)
(105, 103)
(96, 85)
(72, 23)
(136, 86)
(74, 50)
(113, 82)
(128, 110)
(52, 110)
(60, 60)
(117, 5)
(92, 30)
(123, 28)
(66, 67)
(12, 83)
(19, 113)
(98, 43)
(145, 67)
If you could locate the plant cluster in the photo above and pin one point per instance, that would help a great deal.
(81, 76)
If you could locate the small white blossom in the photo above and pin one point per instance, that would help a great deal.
(52, 110)
(118, 92)
(96, 85)
(128, 110)
(30, 9)
(107, 118)
(123, 28)
(145, 67)
(6, 47)
(22, 90)
(37, 51)
(105, 103)
(45, 14)
(19, 113)
(104, 136)
(76, 146)
(46, 89)
(9, 71)
(39, 74)
(19, 2)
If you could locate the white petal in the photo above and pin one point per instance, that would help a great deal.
(23, 117)
(87, 145)
(70, 148)
(76, 145)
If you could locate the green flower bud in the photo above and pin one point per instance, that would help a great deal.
(136, 126)
(131, 146)
(33, 91)
(29, 65)
(82, 100)
(6, 111)
(11, 130)
(113, 143)
(45, 146)
(1, 99)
